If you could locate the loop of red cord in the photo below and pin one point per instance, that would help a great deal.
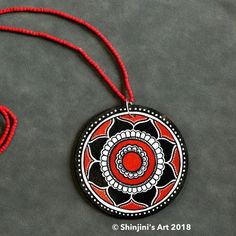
(10, 126)
(10, 119)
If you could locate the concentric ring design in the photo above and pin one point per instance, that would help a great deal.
(131, 164)
(127, 150)
(133, 187)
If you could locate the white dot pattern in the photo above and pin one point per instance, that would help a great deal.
(156, 115)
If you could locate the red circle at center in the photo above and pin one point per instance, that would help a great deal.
(132, 161)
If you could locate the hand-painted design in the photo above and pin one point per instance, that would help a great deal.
(119, 126)
(133, 119)
(87, 160)
(167, 177)
(143, 198)
(96, 147)
(163, 193)
(176, 161)
(146, 176)
(121, 130)
(132, 161)
(168, 146)
(117, 196)
(164, 132)
(102, 194)
(148, 127)
(132, 205)
(102, 130)
(146, 198)
(131, 165)
(95, 175)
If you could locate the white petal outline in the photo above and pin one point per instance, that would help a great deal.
(145, 121)
(173, 180)
(173, 149)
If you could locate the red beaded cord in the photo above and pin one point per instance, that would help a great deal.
(9, 117)
(10, 126)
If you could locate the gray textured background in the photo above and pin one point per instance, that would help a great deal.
(181, 57)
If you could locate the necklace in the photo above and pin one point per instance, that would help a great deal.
(131, 161)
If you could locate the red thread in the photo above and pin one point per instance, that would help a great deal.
(10, 119)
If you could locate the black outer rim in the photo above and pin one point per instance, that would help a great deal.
(76, 168)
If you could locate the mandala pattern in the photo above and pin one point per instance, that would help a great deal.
(139, 162)
(137, 170)
(131, 164)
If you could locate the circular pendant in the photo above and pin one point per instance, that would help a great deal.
(131, 163)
